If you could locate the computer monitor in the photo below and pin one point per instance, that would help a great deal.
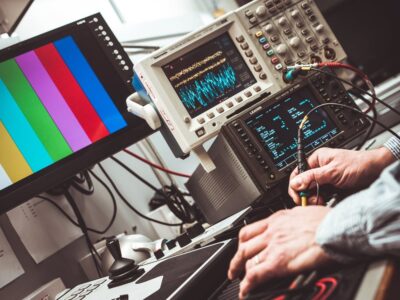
(62, 107)
(11, 13)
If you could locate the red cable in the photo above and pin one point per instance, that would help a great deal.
(322, 289)
(323, 293)
(155, 165)
(360, 73)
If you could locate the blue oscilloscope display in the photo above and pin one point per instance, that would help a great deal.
(276, 127)
(209, 75)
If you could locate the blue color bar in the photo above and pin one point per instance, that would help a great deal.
(90, 84)
(21, 132)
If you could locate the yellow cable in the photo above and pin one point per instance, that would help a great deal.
(303, 201)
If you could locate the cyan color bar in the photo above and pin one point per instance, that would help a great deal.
(52, 99)
(21, 132)
(90, 84)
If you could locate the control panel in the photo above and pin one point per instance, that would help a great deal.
(198, 83)
(265, 136)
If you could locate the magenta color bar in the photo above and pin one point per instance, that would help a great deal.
(52, 99)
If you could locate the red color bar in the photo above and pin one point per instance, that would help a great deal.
(72, 92)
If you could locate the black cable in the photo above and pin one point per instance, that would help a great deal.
(357, 88)
(176, 207)
(83, 227)
(129, 205)
(354, 110)
(76, 183)
(374, 116)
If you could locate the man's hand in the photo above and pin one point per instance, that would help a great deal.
(340, 168)
(280, 245)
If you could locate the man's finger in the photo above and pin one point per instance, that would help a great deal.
(309, 178)
(252, 230)
(246, 251)
(254, 276)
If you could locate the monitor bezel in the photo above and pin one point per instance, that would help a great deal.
(83, 159)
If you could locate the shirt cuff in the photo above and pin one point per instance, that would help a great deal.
(393, 145)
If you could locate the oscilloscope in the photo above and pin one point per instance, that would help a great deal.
(257, 148)
(198, 83)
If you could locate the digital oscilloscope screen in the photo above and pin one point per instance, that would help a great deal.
(276, 127)
(209, 75)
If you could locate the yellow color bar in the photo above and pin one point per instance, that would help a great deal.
(11, 158)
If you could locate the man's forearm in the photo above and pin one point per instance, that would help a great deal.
(367, 223)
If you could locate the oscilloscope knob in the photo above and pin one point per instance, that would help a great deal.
(319, 28)
(269, 28)
(294, 42)
(282, 21)
(295, 14)
(261, 11)
(282, 49)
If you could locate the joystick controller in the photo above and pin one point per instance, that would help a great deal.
(123, 270)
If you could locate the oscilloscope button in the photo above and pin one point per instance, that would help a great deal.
(269, 4)
(249, 13)
(200, 132)
(312, 18)
(287, 2)
(211, 115)
(280, 6)
(278, 67)
(304, 5)
(266, 46)
(258, 34)
(229, 104)
(220, 109)
(257, 88)
(299, 24)
(274, 38)
(253, 60)
(248, 94)
(270, 52)
(272, 176)
(249, 53)
(239, 99)
(257, 68)
(201, 120)
(244, 46)
(263, 76)
(272, 10)
(240, 38)
(275, 60)
(308, 11)
(252, 20)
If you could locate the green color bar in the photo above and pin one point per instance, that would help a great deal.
(34, 111)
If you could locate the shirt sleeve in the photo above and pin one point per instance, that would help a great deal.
(367, 223)
(393, 144)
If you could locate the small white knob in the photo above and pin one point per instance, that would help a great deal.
(282, 49)
(294, 42)
(269, 28)
(282, 21)
(319, 28)
(295, 13)
(261, 11)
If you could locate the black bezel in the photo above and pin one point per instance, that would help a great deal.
(60, 171)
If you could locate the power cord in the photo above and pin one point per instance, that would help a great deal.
(129, 205)
(179, 206)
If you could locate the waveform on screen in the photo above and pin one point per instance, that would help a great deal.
(196, 65)
(207, 89)
(201, 72)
